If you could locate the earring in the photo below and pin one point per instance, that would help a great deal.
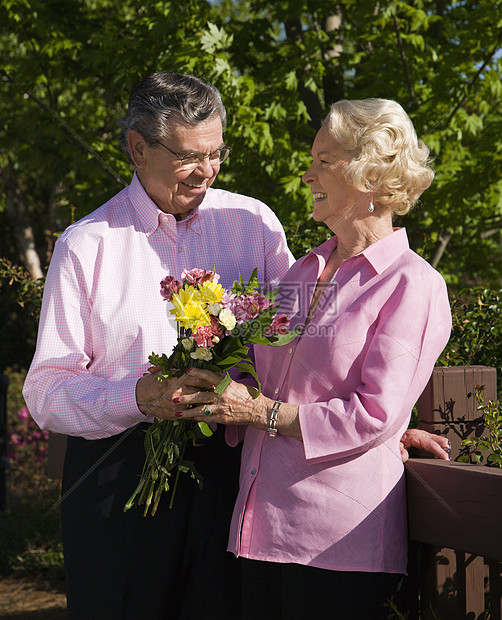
(371, 208)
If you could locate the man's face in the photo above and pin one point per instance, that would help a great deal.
(173, 188)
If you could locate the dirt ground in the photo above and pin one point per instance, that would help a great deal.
(31, 598)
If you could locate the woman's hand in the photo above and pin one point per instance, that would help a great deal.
(236, 406)
(437, 445)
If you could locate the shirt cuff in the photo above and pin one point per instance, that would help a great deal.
(122, 401)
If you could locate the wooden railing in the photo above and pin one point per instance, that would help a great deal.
(454, 509)
(455, 532)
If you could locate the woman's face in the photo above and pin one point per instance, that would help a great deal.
(174, 189)
(334, 198)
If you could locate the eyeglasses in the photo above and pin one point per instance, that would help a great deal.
(192, 160)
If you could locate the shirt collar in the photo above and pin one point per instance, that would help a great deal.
(385, 251)
(150, 215)
(380, 255)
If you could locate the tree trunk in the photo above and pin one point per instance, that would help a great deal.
(443, 241)
(18, 214)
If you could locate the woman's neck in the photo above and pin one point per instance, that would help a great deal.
(354, 237)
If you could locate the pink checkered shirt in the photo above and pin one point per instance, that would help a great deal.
(103, 315)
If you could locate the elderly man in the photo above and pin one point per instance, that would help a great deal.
(102, 316)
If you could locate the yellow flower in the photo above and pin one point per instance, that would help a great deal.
(189, 310)
(211, 292)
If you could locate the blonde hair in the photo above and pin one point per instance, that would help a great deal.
(387, 159)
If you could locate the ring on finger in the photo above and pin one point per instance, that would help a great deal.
(207, 411)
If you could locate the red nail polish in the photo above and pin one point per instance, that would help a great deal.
(187, 370)
(178, 414)
(176, 400)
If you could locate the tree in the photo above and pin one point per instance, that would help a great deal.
(441, 60)
(67, 67)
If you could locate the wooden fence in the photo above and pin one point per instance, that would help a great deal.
(454, 510)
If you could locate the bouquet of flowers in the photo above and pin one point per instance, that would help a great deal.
(214, 328)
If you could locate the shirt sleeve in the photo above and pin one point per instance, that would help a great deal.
(412, 329)
(278, 257)
(61, 391)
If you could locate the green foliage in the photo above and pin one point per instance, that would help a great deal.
(68, 68)
(29, 291)
(30, 536)
(305, 237)
(20, 303)
(492, 443)
(476, 330)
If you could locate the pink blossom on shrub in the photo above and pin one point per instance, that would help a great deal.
(28, 449)
(24, 414)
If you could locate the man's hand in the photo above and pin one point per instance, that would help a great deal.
(160, 397)
(437, 445)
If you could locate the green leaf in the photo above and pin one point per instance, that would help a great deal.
(224, 383)
(204, 428)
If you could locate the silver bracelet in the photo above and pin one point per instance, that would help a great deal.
(272, 423)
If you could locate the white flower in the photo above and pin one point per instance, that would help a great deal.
(187, 343)
(227, 319)
(201, 353)
(214, 309)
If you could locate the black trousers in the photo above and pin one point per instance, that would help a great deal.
(123, 566)
(273, 591)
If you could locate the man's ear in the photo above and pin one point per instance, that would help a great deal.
(137, 148)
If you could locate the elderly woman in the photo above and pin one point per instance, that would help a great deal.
(322, 501)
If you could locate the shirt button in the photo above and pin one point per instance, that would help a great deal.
(253, 471)
(276, 391)
(180, 249)
(290, 350)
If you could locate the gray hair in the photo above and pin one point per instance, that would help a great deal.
(163, 99)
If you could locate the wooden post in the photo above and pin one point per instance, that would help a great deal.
(448, 405)
(495, 598)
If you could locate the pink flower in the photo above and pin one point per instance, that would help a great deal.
(228, 299)
(247, 307)
(23, 414)
(280, 325)
(197, 276)
(206, 333)
(169, 286)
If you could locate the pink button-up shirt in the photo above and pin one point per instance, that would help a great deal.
(337, 499)
(102, 313)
